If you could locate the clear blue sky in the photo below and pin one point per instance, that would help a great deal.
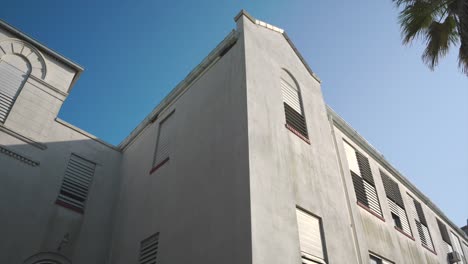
(135, 52)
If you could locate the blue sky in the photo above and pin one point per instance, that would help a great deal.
(135, 52)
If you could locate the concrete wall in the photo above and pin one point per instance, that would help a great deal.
(199, 200)
(285, 171)
(379, 236)
(35, 151)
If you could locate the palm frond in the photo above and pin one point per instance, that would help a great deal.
(463, 31)
(416, 18)
(439, 38)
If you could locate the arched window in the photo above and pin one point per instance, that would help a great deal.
(14, 71)
(18, 60)
(293, 107)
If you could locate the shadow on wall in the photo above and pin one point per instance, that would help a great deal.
(59, 200)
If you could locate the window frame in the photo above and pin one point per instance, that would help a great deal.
(289, 110)
(156, 165)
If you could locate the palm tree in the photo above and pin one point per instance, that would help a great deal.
(441, 23)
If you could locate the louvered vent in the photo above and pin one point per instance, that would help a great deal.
(363, 181)
(164, 142)
(76, 182)
(292, 102)
(149, 250)
(11, 82)
(395, 202)
(443, 232)
(423, 231)
(358, 183)
(310, 237)
(364, 168)
(392, 189)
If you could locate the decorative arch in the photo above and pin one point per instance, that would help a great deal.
(26, 51)
(47, 258)
(293, 106)
(291, 91)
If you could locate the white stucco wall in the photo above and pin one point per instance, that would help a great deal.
(199, 199)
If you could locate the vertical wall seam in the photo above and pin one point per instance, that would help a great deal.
(356, 246)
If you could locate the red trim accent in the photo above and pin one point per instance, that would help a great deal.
(290, 128)
(404, 233)
(370, 211)
(432, 251)
(159, 165)
(69, 206)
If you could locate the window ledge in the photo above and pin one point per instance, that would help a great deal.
(432, 251)
(290, 128)
(155, 168)
(69, 206)
(404, 233)
(370, 211)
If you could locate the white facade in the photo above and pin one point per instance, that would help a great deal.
(242, 162)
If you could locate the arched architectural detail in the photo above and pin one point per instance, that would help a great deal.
(26, 51)
(293, 106)
(288, 80)
(47, 258)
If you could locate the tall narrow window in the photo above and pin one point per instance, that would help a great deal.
(149, 250)
(164, 142)
(363, 181)
(14, 71)
(310, 238)
(421, 224)
(458, 248)
(76, 183)
(395, 202)
(293, 108)
(445, 237)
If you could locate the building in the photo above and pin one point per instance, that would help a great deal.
(217, 172)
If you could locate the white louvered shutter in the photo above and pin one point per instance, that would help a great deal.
(400, 212)
(76, 183)
(11, 81)
(458, 248)
(351, 158)
(291, 96)
(423, 231)
(163, 147)
(372, 198)
(310, 237)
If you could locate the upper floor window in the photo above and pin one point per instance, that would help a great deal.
(293, 108)
(14, 71)
(76, 183)
(421, 224)
(395, 202)
(458, 248)
(377, 260)
(445, 236)
(164, 142)
(310, 238)
(363, 181)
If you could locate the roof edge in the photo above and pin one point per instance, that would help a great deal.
(40, 46)
(243, 12)
(84, 133)
(372, 151)
(181, 87)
